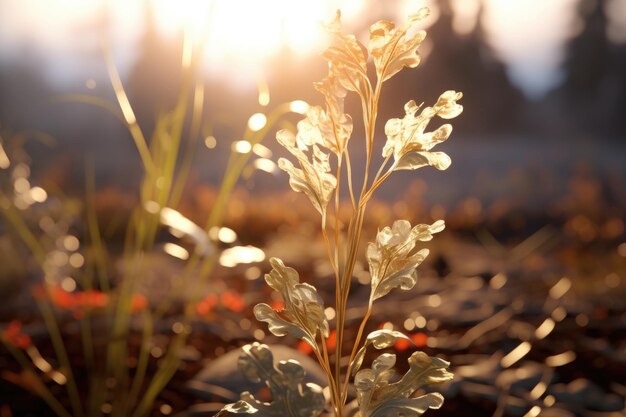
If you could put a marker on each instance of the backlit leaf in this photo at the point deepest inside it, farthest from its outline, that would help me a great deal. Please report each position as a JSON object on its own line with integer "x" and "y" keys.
{"x": 379, "y": 339}
{"x": 240, "y": 407}
{"x": 330, "y": 128}
{"x": 378, "y": 397}
{"x": 408, "y": 141}
{"x": 408, "y": 407}
{"x": 291, "y": 397}
{"x": 312, "y": 178}
{"x": 414, "y": 160}
{"x": 424, "y": 370}
{"x": 281, "y": 278}
{"x": 303, "y": 316}
{"x": 278, "y": 326}
{"x": 394, "y": 48}
{"x": 447, "y": 105}
{"x": 347, "y": 58}
{"x": 391, "y": 258}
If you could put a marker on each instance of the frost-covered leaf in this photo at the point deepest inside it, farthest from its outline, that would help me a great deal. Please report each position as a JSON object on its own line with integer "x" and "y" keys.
{"x": 347, "y": 58}
{"x": 391, "y": 258}
{"x": 291, "y": 397}
{"x": 394, "y": 48}
{"x": 408, "y": 141}
{"x": 303, "y": 316}
{"x": 313, "y": 178}
{"x": 378, "y": 397}
{"x": 379, "y": 339}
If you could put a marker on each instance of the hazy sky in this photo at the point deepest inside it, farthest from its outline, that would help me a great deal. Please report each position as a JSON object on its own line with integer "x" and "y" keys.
{"x": 527, "y": 34}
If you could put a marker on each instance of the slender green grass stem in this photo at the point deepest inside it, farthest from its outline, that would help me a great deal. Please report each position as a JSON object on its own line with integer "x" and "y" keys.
{"x": 142, "y": 362}
{"x": 100, "y": 256}
{"x": 61, "y": 353}
{"x": 41, "y": 388}
{"x": 129, "y": 115}
{"x": 93, "y": 101}
{"x": 87, "y": 340}
{"x": 163, "y": 375}
{"x": 194, "y": 134}
{"x": 22, "y": 230}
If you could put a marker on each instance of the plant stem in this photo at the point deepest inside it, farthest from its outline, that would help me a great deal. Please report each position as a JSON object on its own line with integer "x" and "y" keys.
{"x": 142, "y": 361}
{"x": 357, "y": 342}
{"x": 349, "y": 175}
{"x": 22, "y": 230}
{"x": 129, "y": 115}
{"x": 61, "y": 352}
{"x": 41, "y": 388}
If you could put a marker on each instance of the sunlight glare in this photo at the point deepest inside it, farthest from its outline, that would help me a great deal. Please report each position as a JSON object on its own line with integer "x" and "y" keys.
{"x": 299, "y": 106}
{"x": 242, "y": 146}
{"x": 561, "y": 359}
{"x": 262, "y": 151}
{"x": 176, "y": 251}
{"x": 266, "y": 165}
{"x": 264, "y": 93}
{"x": 241, "y": 35}
{"x": 515, "y": 355}
{"x": 465, "y": 15}
{"x": 38, "y": 194}
{"x": 257, "y": 122}
{"x": 241, "y": 255}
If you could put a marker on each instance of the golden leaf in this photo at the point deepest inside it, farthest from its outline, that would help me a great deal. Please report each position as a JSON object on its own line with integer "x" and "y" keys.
{"x": 391, "y": 259}
{"x": 447, "y": 106}
{"x": 347, "y": 58}
{"x": 379, "y": 397}
{"x": 330, "y": 128}
{"x": 291, "y": 395}
{"x": 379, "y": 339}
{"x": 312, "y": 178}
{"x": 303, "y": 315}
{"x": 408, "y": 141}
{"x": 394, "y": 48}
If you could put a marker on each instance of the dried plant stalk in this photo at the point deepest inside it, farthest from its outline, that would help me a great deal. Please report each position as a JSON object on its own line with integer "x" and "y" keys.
{"x": 320, "y": 150}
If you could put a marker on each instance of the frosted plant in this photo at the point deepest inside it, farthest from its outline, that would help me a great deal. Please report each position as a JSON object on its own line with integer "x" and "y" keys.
{"x": 320, "y": 156}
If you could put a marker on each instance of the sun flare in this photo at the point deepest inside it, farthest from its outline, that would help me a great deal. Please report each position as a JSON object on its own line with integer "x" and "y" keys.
{"x": 243, "y": 34}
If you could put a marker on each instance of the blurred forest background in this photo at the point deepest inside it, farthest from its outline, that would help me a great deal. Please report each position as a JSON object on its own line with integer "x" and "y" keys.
{"x": 534, "y": 201}
{"x": 554, "y": 114}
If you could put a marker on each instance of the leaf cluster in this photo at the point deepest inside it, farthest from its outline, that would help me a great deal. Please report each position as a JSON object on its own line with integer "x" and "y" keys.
{"x": 321, "y": 155}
